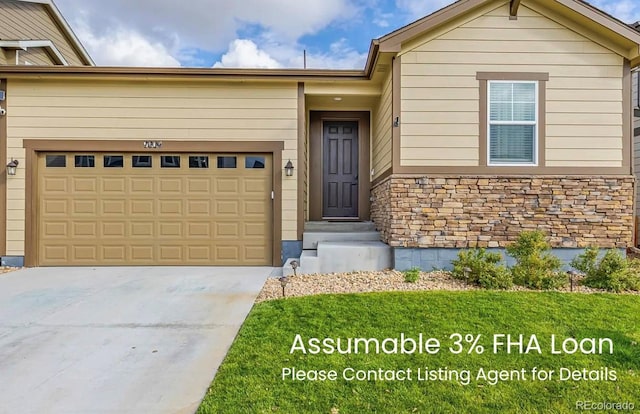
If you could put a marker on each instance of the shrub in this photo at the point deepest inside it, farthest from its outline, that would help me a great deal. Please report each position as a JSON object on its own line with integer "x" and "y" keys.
{"x": 613, "y": 272}
{"x": 535, "y": 266}
{"x": 412, "y": 275}
{"x": 483, "y": 269}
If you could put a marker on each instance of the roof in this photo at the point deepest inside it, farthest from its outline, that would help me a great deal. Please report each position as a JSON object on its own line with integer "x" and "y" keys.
{"x": 53, "y": 10}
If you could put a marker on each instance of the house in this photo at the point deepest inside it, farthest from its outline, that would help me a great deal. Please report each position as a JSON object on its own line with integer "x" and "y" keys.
{"x": 481, "y": 120}
{"x": 33, "y": 32}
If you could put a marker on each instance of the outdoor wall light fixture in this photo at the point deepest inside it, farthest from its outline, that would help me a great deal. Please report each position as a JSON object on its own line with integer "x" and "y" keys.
{"x": 12, "y": 167}
{"x": 289, "y": 168}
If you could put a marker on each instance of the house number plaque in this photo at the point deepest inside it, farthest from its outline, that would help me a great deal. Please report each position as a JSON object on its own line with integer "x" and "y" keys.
{"x": 152, "y": 144}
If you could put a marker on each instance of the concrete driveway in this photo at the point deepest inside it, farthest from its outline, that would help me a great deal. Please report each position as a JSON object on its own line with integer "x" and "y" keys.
{"x": 118, "y": 340}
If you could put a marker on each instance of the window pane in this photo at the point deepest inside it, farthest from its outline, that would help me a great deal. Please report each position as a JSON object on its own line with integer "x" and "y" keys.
{"x": 501, "y": 91}
{"x": 56, "y": 161}
{"x": 524, "y": 111}
{"x": 113, "y": 161}
{"x": 524, "y": 92}
{"x": 199, "y": 161}
{"x": 86, "y": 161}
{"x": 254, "y": 162}
{"x": 512, "y": 143}
{"x": 501, "y": 111}
{"x": 170, "y": 161}
{"x": 141, "y": 161}
{"x": 227, "y": 162}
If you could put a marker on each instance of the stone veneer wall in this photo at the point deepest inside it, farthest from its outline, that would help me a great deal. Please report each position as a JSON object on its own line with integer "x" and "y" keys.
{"x": 490, "y": 211}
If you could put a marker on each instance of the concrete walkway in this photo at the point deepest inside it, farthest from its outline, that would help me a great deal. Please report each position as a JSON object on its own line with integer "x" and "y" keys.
{"x": 118, "y": 340}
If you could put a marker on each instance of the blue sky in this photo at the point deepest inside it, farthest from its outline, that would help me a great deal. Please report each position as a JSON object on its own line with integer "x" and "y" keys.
{"x": 250, "y": 33}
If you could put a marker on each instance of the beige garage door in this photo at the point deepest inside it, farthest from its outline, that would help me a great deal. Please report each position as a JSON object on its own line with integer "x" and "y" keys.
{"x": 160, "y": 209}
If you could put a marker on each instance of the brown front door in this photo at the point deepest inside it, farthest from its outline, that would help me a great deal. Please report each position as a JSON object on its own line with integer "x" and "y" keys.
{"x": 340, "y": 166}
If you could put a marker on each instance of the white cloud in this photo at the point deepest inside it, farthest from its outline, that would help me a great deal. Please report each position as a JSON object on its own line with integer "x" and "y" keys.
{"x": 418, "y": 9}
{"x": 208, "y": 24}
{"x": 124, "y": 47}
{"x": 244, "y": 53}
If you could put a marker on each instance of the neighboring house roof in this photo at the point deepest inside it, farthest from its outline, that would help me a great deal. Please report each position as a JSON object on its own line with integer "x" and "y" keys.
{"x": 55, "y": 14}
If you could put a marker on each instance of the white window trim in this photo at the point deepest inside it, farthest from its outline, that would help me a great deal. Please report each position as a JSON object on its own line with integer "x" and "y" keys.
{"x": 536, "y": 123}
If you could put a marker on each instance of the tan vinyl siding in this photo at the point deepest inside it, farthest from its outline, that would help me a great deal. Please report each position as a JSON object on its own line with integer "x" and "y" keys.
{"x": 35, "y": 56}
{"x": 118, "y": 110}
{"x": 440, "y": 93}
{"x": 31, "y": 21}
{"x": 3, "y": 57}
{"x": 382, "y": 130}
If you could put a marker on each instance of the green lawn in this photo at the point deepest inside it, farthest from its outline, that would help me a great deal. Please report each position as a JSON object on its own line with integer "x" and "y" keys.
{"x": 250, "y": 379}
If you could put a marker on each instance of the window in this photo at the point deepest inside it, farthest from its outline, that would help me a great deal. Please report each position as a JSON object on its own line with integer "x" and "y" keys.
{"x": 85, "y": 161}
{"x": 56, "y": 161}
{"x": 254, "y": 162}
{"x": 227, "y": 162}
{"x": 113, "y": 161}
{"x": 170, "y": 161}
{"x": 141, "y": 161}
{"x": 199, "y": 161}
{"x": 512, "y": 122}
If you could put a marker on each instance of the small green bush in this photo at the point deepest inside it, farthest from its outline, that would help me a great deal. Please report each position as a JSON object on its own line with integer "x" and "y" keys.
{"x": 613, "y": 272}
{"x": 535, "y": 266}
{"x": 484, "y": 269}
{"x": 412, "y": 275}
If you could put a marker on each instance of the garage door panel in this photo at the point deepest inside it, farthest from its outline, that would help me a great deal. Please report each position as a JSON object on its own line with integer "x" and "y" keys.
{"x": 204, "y": 215}
{"x": 171, "y": 185}
{"x": 168, "y": 208}
{"x": 84, "y": 207}
{"x": 141, "y": 253}
{"x": 113, "y": 207}
{"x": 113, "y": 253}
{"x": 113, "y": 186}
{"x": 54, "y": 207}
{"x": 170, "y": 230}
{"x": 142, "y": 229}
{"x": 52, "y": 185}
{"x": 113, "y": 229}
{"x": 199, "y": 207}
{"x": 55, "y": 229}
{"x": 85, "y": 185}
{"x": 142, "y": 207}
{"x": 227, "y": 208}
{"x": 198, "y": 229}
{"x": 141, "y": 184}
{"x": 228, "y": 186}
{"x": 84, "y": 229}
{"x": 84, "y": 253}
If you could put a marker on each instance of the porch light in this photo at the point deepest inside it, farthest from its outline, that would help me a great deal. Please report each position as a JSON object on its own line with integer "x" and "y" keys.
{"x": 289, "y": 168}
{"x": 12, "y": 167}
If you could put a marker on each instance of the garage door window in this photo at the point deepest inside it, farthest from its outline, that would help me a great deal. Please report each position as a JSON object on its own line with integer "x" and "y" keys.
{"x": 170, "y": 161}
{"x": 113, "y": 161}
{"x": 254, "y": 162}
{"x": 198, "y": 161}
{"x": 141, "y": 161}
{"x": 85, "y": 161}
{"x": 56, "y": 161}
{"x": 227, "y": 162}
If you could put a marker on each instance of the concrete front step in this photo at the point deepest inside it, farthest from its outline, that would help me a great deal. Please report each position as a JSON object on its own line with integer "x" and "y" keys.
{"x": 311, "y": 239}
{"x": 308, "y": 264}
{"x": 339, "y": 226}
{"x": 344, "y": 256}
